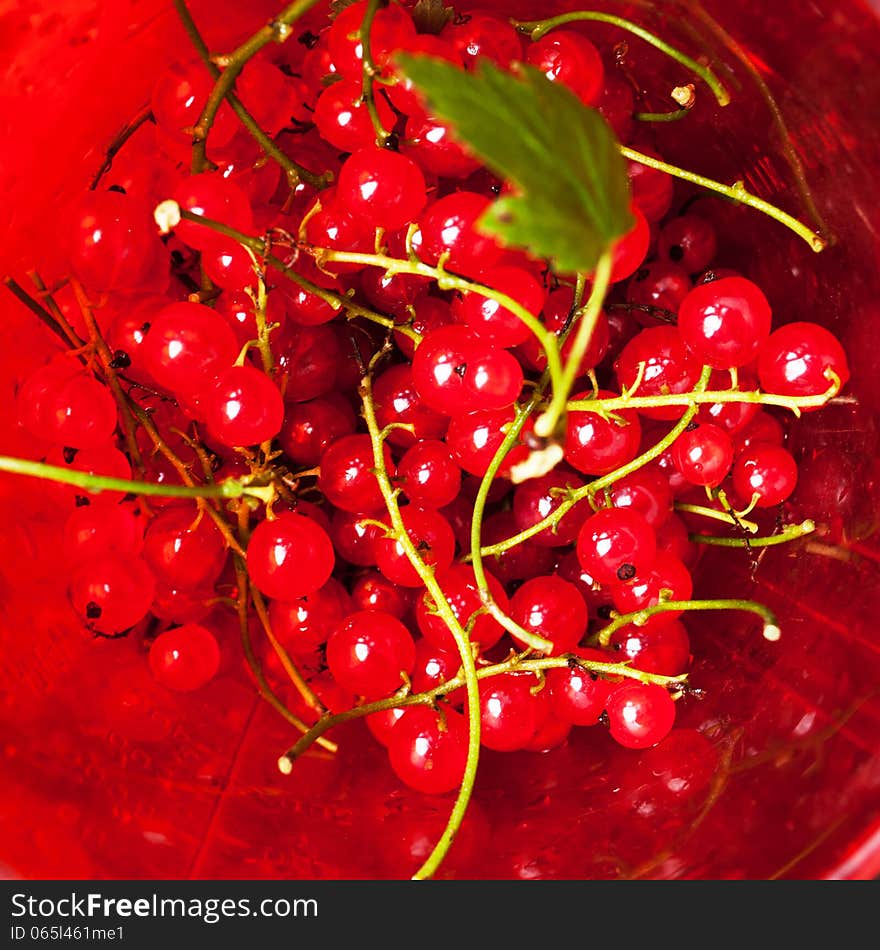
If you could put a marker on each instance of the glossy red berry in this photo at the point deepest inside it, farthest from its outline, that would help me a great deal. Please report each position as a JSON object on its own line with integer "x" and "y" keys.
{"x": 427, "y": 753}
{"x": 577, "y": 696}
{"x": 432, "y": 144}
{"x": 244, "y": 407}
{"x": 188, "y": 346}
{"x": 615, "y": 545}
{"x": 369, "y": 653}
{"x": 184, "y": 548}
{"x": 794, "y": 359}
{"x": 448, "y": 226}
{"x": 536, "y": 499}
{"x": 689, "y": 242}
{"x": 384, "y": 187}
{"x": 640, "y": 714}
{"x": 432, "y": 537}
{"x": 111, "y": 241}
{"x": 475, "y": 437}
{"x": 484, "y": 35}
{"x": 289, "y": 557}
{"x": 666, "y": 574}
{"x": 646, "y": 491}
{"x": 373, "y": 591}
{"x": 488, "y": 319}
{"x": 178, "y": 98}
{"x": 571, "y": 59}
{"x": 90, "y": 533}
{"x": 112, "y": 593}
{"x": 398, "y": 401}
{"x": 342, "y": 117}
{"x": 595, "y": 445}
{"x": 659, "y": 285}
{"x": 428, "y": 474}
{"x": 311, "y": 427}
{"x": 347, "y": 479}
{"x": 211, "y": 196}
{"x": 663, "y": 650}
{"x": 353, "y": 540}
{"x": 630, "y": 250}
{"x": 723, "y": 323}
{"x": 551, "y": 608}
{"x": 764, "y": 470}
{"x": 668, "y": 368}
{"x": 185, "y": 658}
{"x": 304, "y": 623}
{"x": 392, "y": 28}
{"x": 460, "y": 589}
{"x": 510, "y": 713}
{"x": 703, "y": 455}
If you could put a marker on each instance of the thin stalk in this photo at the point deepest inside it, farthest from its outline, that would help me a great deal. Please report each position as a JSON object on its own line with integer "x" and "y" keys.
{"x": 736, "y": 192}
{"x": 369, "y": 72}
{"x": 788, "y": 533}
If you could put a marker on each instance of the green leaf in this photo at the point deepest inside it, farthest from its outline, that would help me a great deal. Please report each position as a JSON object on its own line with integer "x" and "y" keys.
{"x": 572, "y": 195}
{"x": 430, "y": 16}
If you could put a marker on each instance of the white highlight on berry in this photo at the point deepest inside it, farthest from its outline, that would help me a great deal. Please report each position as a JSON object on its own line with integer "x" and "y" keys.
{"x": 167, "y": 216}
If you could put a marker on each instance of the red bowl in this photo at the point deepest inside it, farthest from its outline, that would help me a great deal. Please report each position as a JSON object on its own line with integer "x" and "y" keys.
{"x": 774, "y": 770}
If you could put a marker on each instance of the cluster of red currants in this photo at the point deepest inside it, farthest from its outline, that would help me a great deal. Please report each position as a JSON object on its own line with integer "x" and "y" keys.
{"x": 228, "y": 369}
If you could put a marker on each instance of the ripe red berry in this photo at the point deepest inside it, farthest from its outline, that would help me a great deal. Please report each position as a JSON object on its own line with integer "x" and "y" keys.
{"x": 303, "y": 623}
{"x": 188, "y": 346}
{"x": 794, "y": 359}
{"x": 289, "y": 557}
{"x": 510, "y": 713}
{"x": 432, "y": 536}
{"x": 595, "y": 445}
{"x": 369, "y": 653}
{"x": 576, "y": 695}
{"x": 427, "y": 753}
{"x": 723, "y": 323}
{"x": 184, "y": 548}
{"x": 688, "y": 241}
{"x": 112, "y": 592}
{"x": 663, "y": 650}
{"x": 668, "y": 368}
{"x": 460, "y": 589}
{"x": 537, "y": 499}
{"x": 343, "y": 119}
{"x": 398, "y": 402}
{"x": 185, "y": 658}
{"x": 488, "y": 319}
{"x": 392, "y": 28}
{"x": 90, "y": 532}
{"x": 615, "y": 545}
{"x": 448, "y": 226}
{"x": 386, "y": 188}
{"x": 639, "y": 714}
{"x": 347, "y": 480}
{"x": 474, "y": 438}
{"x": 428, "y": 474}
{"x": 244, "y": 407}
{"x": 666, "y": 574}
{"x": 552, "y": 608}
{"x": 211, "y": 196}
{"x": 703, "y": 455}
{"x": 567, "y": 57}
{"x": 766, "y": 470}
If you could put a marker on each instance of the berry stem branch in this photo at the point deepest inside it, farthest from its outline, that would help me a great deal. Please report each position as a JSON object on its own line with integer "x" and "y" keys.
{"x": 788, "y": 533}
{"x": 538, "y": 28}
{"x": 736, "y": 192}
{"x": 119, "y": 140}
{"x": 512, "y": 627}
{"x": 277, "y": 30}
{"x": 369, "y": 72}
{"x": 341, "y": 301}
{"x": 586, "y": 317}
{"x": 717, "y": 515}
{"x": 640, "y": 617}
{"x": 469, "y": 672}
{"x": 430, "y": 697}
{"x": 447, "y": 281}
{"x": 42, "y": 314}
{"x": 263, "y": 687}
{"x": 793, "y": 403}
{"x": 98, "y": 483}
{"x": 592, "y": 488}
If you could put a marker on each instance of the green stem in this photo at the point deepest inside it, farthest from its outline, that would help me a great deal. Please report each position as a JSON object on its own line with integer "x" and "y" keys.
{"x": 430, "y": 697}
{"x": 545, "y": 424}
{"x": 794, "y": 403}
{"x": 98, "y": 483}
{"x": 342, "y": 302}
{"x": 672, "y": 116}
{"x": 369, "y": 72}
{"x": 538, "y": 28}
{"x": 640, "y": 617}
{"x": 737, "y": 192}
{"x": 447, "y": 281}
{"x": 591, "y": 489}
{"x": 788, "y": 533}
{"x": 716, "y": 515}
{"x": 294, "y": 172}
{"x": 434, "y": 859}
{"x": 512, "y": 627}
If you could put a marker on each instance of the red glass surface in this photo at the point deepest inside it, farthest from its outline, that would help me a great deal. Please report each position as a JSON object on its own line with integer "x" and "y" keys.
{"x": 774, "y": 772}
